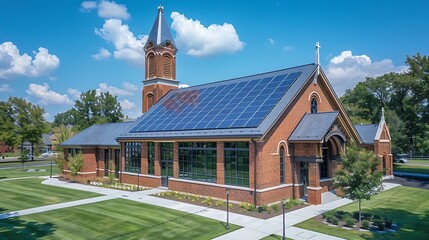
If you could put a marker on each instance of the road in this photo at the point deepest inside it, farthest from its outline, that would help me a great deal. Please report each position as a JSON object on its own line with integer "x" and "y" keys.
{"x": 38, "y": 163}
{"x": 410, "y": 182}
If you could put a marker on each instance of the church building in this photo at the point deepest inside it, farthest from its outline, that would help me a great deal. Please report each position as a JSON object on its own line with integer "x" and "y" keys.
{"x": 264, "y": 137}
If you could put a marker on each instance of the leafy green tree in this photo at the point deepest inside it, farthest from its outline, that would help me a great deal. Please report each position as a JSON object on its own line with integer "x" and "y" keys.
{"x": 66, "y": 118}
{"x": 423, "y": 141}
{"x": 22, "y": 121}
{"x": 75, "y": 164}
{"x": 358, "y": 177}
{"x": 93, "y": 108}
{"x": 62, "y": 133}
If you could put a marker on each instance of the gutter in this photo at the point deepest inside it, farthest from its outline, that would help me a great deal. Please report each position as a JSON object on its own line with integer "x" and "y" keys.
{"x": 254, "y": 172}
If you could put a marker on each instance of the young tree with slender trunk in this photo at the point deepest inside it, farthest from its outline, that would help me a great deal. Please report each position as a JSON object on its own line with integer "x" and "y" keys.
{"x": 358, "y": 177}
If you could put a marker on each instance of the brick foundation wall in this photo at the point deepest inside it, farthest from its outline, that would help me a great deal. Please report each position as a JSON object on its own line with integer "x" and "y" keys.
{"x": 143, "y": 180}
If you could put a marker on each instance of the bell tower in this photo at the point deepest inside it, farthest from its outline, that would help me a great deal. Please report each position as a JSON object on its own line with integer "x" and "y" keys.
{"x": 160, "y": 66}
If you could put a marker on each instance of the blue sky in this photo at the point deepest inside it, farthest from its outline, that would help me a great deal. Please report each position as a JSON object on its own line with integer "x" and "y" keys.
{"x": 52, "y": 50}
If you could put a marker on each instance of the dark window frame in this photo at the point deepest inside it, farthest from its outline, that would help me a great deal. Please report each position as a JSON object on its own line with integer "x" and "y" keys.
{"x": 198, "y": 161}
{"x": 314, "y": 105}
{"x": 133, "y": 157}
{"x": 282, "y": 165}
{"x": 151, "y": 158}
{"x": 236, "y": 163}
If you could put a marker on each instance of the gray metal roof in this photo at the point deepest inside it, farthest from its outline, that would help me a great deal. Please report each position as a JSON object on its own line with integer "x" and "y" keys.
{"x": 46, "y": 139}
{"x": 314, "y": 126}
{"x": 160, "y": 32}
{"x": 367, "y": 132}
{"x": 98, "y": 135}
{"x": 254, "y": 132}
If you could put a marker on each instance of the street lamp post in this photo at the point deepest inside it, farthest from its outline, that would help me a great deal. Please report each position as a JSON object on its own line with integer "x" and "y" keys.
{"x": 50, "y": 174}
{"x": 284, "y": 226}
{"x": 138, "y": 181}
{"x": 227, "y": 209}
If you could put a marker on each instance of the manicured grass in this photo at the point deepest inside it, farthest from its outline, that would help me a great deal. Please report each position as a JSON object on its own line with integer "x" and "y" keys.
{"x": 115, "y": 219}
{"x": 408, "y": 207}
{"x": 19, "y": 194}
{"x": 418, "y": 161}
{"x": 23, "y": 172}
{"x": 411, "y": 168}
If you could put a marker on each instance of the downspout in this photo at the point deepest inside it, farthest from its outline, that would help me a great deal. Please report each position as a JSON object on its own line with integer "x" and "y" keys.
{"x": 254, "y": 172}
{"x": 293, "y": 169}
{"x": 97, "y": 155}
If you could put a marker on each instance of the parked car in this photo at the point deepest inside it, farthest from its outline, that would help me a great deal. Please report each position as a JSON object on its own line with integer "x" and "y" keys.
{"x": 401, "y": 158}
{"x": 50, "y": 154}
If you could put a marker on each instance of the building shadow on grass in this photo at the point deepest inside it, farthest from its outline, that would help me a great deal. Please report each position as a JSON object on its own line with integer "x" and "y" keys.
{"x": 409, "y": 225}
{"x": 16, "y": 228}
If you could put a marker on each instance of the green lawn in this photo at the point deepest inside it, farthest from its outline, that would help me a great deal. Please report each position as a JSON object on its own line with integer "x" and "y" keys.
{"x": 113, "y": 219}
{"x": 408, "y": 207}
{"x": 411, "y": 168}
{"x": 21, "y": 194}
{"x": 418, "y": 161}
{"x": 23, "y": 172}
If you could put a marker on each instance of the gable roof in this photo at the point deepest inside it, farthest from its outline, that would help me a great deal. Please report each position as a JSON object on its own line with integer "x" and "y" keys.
{"x": 160, "y": 32}
{"x": 46, "y": 139}
{"x": 314, "y": 126}
{"x": 218, "y": 110}
{"x": 367, "y": 132}
{"x": 98, "y": 135}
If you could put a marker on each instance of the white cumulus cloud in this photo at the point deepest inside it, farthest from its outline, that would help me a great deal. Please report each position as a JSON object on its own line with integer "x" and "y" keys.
{"x": 47, "y": 96}
{"x": 87, "y": 6}
{"x": 12, "y": 63}
{"x": 5, "y": 88}
{"x": 346, "y": 70}
{"x": 127, "y": 90}
{"x": 74, "y": 93}
{"x": 198, "y": 40}
{"x": 127, "y": 46}
{"x": 102, "y": 54}
{"x": 106, "y": 9}
{"x": 127, "y": 105}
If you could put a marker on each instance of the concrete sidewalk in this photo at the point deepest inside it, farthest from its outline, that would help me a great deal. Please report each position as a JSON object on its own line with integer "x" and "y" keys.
{"x": 252, "y": 228}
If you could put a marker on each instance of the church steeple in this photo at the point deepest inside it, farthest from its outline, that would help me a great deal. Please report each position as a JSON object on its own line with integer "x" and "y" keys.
{"x": 160, "y": 63}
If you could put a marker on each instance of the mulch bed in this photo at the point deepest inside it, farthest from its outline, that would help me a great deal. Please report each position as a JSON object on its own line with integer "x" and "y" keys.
{"x": 357, "y": 226}
{"x": 236, "y": 209}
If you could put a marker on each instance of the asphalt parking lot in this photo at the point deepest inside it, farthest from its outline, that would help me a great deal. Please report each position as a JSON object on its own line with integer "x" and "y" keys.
{"x": 410, "y": 182}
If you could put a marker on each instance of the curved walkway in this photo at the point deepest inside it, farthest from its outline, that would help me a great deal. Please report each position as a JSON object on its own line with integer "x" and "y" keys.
{"x": 253, "y": 228}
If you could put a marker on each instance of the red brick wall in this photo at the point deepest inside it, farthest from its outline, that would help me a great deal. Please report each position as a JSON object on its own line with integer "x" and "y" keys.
{"x": 142, "y": 181}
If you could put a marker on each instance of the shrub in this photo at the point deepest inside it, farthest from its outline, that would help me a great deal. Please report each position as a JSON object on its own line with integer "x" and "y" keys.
{"x": 264, "y": 207}
{"x": 275, "y": 207}
{"x": 294, "y": 202}
{"x": 379, "y": 223}
{"x": 197, "y": 197}
{"x": 350, "y": 221}
{"x": 207, "y": 201}
{"x": 230, "y": 205}
{"x": 219, "y": 202}
{"x": 326, "y": 214}
{"x": 252, "y": 208}
{"x": 334, "y": 220}
{"x": 388, "y": 223}
{"x": 365, "y": 224}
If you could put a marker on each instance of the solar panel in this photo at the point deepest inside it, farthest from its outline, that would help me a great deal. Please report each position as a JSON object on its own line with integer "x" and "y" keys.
{"x": 230, "y": 104}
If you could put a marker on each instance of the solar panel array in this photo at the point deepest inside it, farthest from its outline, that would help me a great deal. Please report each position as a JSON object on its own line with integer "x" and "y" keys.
{"x": 233, "y": 104}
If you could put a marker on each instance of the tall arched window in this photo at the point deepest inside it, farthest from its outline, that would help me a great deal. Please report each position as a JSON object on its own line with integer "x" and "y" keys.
{"x": 151, "y": 66}
{"x": 149, "y": 100}
{"x": 167, "y": 65}
{"x": 313, "y": 105}
{"x": 282, "y": 164}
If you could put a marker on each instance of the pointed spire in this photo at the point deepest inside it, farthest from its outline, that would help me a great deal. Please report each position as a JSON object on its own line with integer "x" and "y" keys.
{"x": 160, "y": 32}
{"x": 382, "y": 115}
{"x": 317, "y": 62}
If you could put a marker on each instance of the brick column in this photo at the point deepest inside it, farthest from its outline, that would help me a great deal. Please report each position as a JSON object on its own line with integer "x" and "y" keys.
{"x": 144, "y": 163}
{"x": 176, "y": 160}
{"x": 314, "y": 190}
{"x": 157, "y": 159}
{"x": 251, "y": 165}
{"x": 296, "y": 188}
{"x": 122, "y": 157}
{"x": 220, "y": 167}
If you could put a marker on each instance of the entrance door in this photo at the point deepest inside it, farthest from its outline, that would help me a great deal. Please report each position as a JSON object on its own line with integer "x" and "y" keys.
{"x": 303, "y": 175}
{"x": 166, "y": 154}
{"x": 166, "y": 172}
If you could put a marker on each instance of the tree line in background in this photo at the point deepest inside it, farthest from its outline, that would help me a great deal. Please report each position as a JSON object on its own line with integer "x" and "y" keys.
{"x": 404, "y": 96}
{"x": 23, "y": 121}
